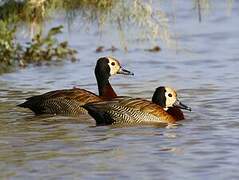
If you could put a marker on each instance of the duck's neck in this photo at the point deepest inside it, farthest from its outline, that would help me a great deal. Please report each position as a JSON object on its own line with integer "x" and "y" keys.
{"x": 176, "y": 113}
{"x": 104, "y": 87}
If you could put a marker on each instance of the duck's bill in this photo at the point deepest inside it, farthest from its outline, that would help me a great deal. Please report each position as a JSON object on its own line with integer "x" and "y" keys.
{"x": 181, "y": 105}
{"x": 125, "y": 72}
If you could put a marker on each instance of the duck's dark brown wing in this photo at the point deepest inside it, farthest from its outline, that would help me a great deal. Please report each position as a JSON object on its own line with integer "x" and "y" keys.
{"x": 64, "y": 102}
{"x": 128, "y": 111}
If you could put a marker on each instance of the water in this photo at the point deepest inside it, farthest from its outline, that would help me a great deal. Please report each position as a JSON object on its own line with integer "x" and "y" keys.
{"x": 205, "y": 75}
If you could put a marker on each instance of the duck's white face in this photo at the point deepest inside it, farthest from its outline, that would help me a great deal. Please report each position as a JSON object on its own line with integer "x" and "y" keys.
{"x": 114, "y": 66}
{"x": 172, "y": 100}
{"x": 171, "y": 97}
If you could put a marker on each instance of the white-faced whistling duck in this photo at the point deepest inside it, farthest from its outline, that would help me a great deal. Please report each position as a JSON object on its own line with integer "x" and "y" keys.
{"x": 133, "y": 111}
{"x": 69, "y": 101}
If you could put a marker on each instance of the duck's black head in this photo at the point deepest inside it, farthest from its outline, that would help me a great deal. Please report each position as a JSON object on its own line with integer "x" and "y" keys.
{"x": 166, "y": 97}
{"x": 107, "y": 66}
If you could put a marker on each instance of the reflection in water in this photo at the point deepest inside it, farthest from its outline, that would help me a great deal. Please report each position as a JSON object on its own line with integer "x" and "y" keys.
{"x": 204, "y": 146}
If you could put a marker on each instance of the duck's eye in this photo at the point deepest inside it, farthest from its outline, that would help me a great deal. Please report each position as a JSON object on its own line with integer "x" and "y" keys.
{"x": 113, "y": 63}
{"x": 170, "y": 95}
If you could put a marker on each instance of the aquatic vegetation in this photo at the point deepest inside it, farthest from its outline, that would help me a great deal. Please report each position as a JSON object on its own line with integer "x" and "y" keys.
{"x": 138, "y": 19}
{"x": 47, "y": 48}
{"x": 39, "y": 49}
{"x": 9, "y": 49}
{"x": 150, "y": 21}
{"x": 123, "y": 15}
{"x": 154, "y": 49}
{"x": 203, "y": 7}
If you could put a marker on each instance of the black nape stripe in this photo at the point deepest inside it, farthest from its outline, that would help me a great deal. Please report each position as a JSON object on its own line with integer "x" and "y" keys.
{"x": 102, "y": 73}
{"x": 159, "y": 96}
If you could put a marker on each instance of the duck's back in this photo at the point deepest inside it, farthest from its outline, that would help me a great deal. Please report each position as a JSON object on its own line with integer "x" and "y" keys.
{"x": 128, "y": 111}
{"x": 64, "y": 102}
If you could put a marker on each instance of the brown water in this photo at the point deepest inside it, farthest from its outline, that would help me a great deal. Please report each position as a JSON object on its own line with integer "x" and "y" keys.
{"x": 206, "y": 77}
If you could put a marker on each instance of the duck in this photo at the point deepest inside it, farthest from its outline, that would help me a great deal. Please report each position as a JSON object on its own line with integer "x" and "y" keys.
{"x": 69, "y": 102}
{"x": 137, "y": 111}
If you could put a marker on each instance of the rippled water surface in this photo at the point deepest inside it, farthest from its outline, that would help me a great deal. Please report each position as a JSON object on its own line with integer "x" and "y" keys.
{"x": 205, "y": 74}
